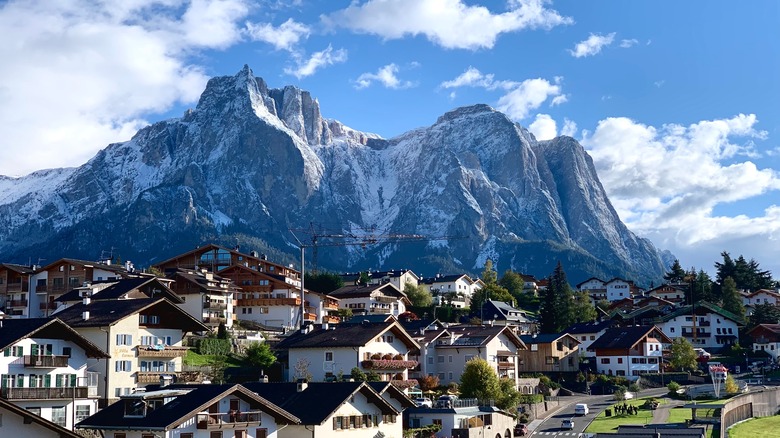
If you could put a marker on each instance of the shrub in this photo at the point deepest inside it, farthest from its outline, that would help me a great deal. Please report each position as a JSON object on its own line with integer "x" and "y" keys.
{"x": 398, "y": 357}
{"x": 673, "y": 387}
{"x": 376, "y": 356}
{"x": 214, "y": 346}
{"x": 387, "y": 356}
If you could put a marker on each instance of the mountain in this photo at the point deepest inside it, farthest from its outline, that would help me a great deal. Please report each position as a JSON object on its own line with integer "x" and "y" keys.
{"x": 250, "y": 163}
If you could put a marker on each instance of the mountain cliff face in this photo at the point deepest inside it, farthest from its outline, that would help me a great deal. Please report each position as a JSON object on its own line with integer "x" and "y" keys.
{"x": 249, "y": 163}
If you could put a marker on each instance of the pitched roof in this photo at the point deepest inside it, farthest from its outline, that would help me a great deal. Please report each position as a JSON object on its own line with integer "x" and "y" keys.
{"x": 61, "y": 432}
{"x": 188, "y": 401}
{"x": 346, "y": 335}
{"x": 393, "y": 391}
{"x": 445, "y": 278}
{"x": 479, "y": 335}
{"x": 14, "y": 330}
{"x": 774, "y": 328}
{"x": 545, "y": 338}
{"x": 504, "y": 311}
{"x": 589, "y": 327}
{"x": 114, "y": 289}
{"x": 21, "y": 269}
{"x": 199, "y": 278}
{"x": 119, "y": 269}
{"x": 619, "y": 338}
{"x": 686, "y": 310}
{"x": 213, "y": 246}
{"x": 109, "y": 312}
{"x": 319, "y": 400}
{"x": 361, "y": 291}
{"x": 591, "y": 278}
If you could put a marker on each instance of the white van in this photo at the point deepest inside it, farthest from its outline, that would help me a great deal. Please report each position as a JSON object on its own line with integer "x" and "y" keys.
{"x": 581, "y": 409}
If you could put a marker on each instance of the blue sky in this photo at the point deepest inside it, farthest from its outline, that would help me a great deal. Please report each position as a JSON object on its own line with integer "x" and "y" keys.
{"x": 675, "y": 101}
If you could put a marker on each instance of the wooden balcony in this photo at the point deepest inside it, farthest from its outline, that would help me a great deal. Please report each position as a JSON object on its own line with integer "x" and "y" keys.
{"x": 80, "y": 392}
{"x": 267, "y": 302}
{"x": 17, "y": 303}
{"x": 229, "y": 420}
{"x": 214, "y": 320}
{"x": 330, "y": 305}
{"x": 506, "y": 365}
{"x": 17, "y": 286}
{"x": 689, "y": 334}
{"x": 331, "y": 319}
{"x": 165, "y": 352}
{"x": 41, "y": 288}
{"x": 214, "y": 305}
{"x": 43, "y": 361}
{"x": 179, "y": 376}
{"x": 309, "y": 317}
{"x": 388, "y": 364}
{"x": 47, "y": 306}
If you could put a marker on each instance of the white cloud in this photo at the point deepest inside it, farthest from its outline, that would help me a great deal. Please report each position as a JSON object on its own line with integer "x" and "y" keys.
{"x": 449, "y": 23}
{"x": 569, "y": 128}
{"x": 592, "y": 45}
{"x": 660, "y": 83}
{"x": 527, "y": 96}
{"x": 628, "y": 43}
{"x": 90, "y": 70}
{"x": 521, "y": 98}
{"x": 317, "y": 60}
{"x": 666, "y": 182}
{"x": 284, "y": 37}
{"x": 385, "y": 76}
{"x": 543, "y": 127}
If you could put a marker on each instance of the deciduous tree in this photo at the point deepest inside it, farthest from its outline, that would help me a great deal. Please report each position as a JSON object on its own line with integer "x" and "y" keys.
{"x": 681, "y": 355}
{"x": 259, "y": 355}
{"x": 479, "y": 381}
{"x": 418, "y": 295}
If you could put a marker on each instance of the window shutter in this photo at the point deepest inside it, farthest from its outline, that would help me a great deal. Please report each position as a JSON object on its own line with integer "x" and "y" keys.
{"x": 47, "y": 381}
{"x": 58, "y": 381}
{"x": 73, "y": 380}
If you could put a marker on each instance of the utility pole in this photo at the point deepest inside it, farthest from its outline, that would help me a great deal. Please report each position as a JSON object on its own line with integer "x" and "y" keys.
{"x": 362, "y": 238}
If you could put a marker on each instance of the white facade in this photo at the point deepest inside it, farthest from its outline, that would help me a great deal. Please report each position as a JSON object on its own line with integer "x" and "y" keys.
{"x": 479, "y": 423}
{"x": 713, "y": 331}
{"x": 762, "y": 296}
{"x": 50, "y": 378}
{"x": 17, "y": 424}
{"x": 376, "y": 303}
{"x": 770, "y": 348}
{"x": 324, "y": 363}
{"x": 460, "y": 285}
{"x": 631, "y": 366}
{"x": 586, "y": 339}
{"x": 618, "y": 289}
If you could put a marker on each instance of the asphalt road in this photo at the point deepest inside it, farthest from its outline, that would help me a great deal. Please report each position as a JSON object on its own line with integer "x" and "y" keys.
{"x": 551, "y": 427}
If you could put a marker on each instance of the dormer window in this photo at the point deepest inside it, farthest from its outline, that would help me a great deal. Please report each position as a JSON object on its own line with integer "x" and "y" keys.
{"x": 135, "y": 408}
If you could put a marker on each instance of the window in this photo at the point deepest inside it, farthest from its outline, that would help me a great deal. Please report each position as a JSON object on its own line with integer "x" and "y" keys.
{"x": 671, "y": 329}
{"x": 147, "y": 435}
{"x": 620, "y": 360}
{"x": 620, "y": 373}
{"x": 123, "y": 365}
{"x": 440, "y": 359}
{"x": 436, "y": 422}
{"x": 592, "y": 337}
{"x": 215, "y": 434}
{"x": 66, "y": 351}
{"x": 82, "y": 412}
{"x": 36, "y": 411}
{"x": 389, "y": 339}
{"x": 441, "y": 376}
{"x": 58, "y": 416}
{"x": 328, "y": 356}
{"x": 450, "y": 376}
{"x": 449, "y": 358}
{"x": 549, "y": 360}
{"x": 430, "y": 360}
{"x": 124, "y": 339}
{"x": 534, "y": 347}
{"x": 605, "y": 361}
{"x": 73, "y": 282}
{"x": 119, "y": 435}
{"x": 187, "y": 435}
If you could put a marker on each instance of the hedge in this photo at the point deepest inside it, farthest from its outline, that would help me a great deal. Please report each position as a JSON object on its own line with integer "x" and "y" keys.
{"x": 214, "y": 346}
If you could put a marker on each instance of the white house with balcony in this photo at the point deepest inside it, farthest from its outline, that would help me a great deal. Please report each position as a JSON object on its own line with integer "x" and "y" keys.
{"x": 618, "y": 289}
{"x": 766, "y": 338}
{"x": 457, "y": 288}
{"x": 43, "y": 369}
{"x": 498, "y": 345}
{"x": 191, "y": 411}
{"x": 143, "y": 337}
{"x": 587, "y": 333}
{"x": 761, "y": 296}
{"x": 629, "y": 351}
{"x": 325, "y": 352}
{"x": 704, "y": 325}
{"x": 372, "y": 299}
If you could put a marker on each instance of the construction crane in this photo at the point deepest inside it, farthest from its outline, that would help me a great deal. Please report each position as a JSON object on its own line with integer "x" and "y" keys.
{"x": 363, "y": 238}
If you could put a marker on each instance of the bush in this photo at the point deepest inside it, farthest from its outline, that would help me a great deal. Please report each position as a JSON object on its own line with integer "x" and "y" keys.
{"x": 673, "y": 387}
{"x": 376, "y": 356}
{"x": 387, "y": 356}
{"x": 398, "y": 357}
{"x": 214, "y": 346}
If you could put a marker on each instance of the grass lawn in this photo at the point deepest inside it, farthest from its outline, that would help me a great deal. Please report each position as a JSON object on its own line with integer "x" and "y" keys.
{"x": 765, "y": 427}
{"x": 194, "y": 359}
{"x": 602, "y": 423}
{"x": 679, "y": 415}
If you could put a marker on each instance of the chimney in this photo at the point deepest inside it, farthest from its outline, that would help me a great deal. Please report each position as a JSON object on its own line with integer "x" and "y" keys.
{"x": 85, "y": 315}
{"x": 325, "y": 326}
{"x": 263, "y": 379}
{"x": 302, "y": 384}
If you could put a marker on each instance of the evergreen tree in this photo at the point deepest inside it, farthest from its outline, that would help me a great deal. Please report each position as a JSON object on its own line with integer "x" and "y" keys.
{"x": 676, "y": 273}
{"x": 582, "y": 308}
{"x": 323, "y": 282}
{"x": 489, "y": 276}
{"x": 556, "y": 312}
{"x": 747, "y": 275}
{"x": 702, "y": 288}
{"x": 731, "y": 299}
{"x": 764, "y": 314}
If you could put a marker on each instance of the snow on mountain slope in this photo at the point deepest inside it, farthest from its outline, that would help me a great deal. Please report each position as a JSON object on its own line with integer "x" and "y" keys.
{"x": 251, "y": 162}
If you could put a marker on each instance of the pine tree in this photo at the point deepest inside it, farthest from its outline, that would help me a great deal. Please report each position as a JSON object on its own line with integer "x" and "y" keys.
{"x": 676, "y": 273}
{"x": 731, "y": 299}
{"x": 489, "y": 276}
{"x": 557, "y": 304}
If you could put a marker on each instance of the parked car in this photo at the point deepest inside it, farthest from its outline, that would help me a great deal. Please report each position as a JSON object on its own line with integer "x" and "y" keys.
{"x": 567, "y": 425}
{"x": 521, "y": 429}
{"x": 423, "y": 401}
{"x": 446, "y": 401}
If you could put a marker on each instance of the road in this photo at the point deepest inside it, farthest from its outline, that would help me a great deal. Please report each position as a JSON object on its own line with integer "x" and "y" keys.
{"x": 551, "y": 427}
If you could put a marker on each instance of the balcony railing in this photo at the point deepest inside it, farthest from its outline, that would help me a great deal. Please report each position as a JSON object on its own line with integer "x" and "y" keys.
{"x": 388, "y": 364}
{"x": 17, "y": 303}
{"x": 228, "y": 420}
{"x": 214, "y": 320}
{"x": 215, "y": 305}
{"x": 160, "y": 351}
{"x": 49, "y": 306}
{"x": 331, "y": 319}
{"x": 42, "y": 361}
{"x": 47, "y": 393}
{"x": 265, "y": 302}
{"x": 17, "y": 286}
{"x": 505, "y": 365}
{"x": 331, "y": 305}
{"x": 309, "y": 317}
{"x": 41, "y": 288}
{"x": 689, "y": 334}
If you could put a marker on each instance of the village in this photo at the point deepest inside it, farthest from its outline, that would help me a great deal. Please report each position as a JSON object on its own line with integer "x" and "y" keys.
{"x": 100, "y": 349}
